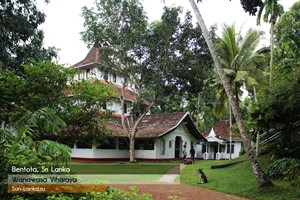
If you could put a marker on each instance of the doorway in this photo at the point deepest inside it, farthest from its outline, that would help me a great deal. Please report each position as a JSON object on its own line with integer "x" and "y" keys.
{"x": 178, "y": 147}
{"x": 215, "y": 150}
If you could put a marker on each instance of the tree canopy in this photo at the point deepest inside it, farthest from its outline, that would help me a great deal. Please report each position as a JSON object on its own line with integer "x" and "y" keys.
{"x": 155, "y": 59}
{"x": 20, "y": 37}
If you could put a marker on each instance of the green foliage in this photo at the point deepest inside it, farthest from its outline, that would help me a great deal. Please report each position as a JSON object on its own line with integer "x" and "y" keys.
{"x": 172, "y": 197}
{"x": 251, "y": 6}
{"x": 154, "y": 57}
{"x": 241, "y": 64}
{"x": 58, "y": 197}
{"x": 28, "y": 133}
{"x": 287, "y": 37}
{"x": 24, "y": 146}
{"x": 16, "y": 155}
{"x": 278, "y": 106}
{"x": 41, "y": 85}
{"x": 292, "y": 175}
{"x": 278, "y": 168}
{"x": 115, "y": 193}
{"x": 20, "y": 37}
{"x": 88, "y": 94}
{"x": 85, "y": 127}
{"x": 83, "y": 115}
{"x": 110, "y": 194}
{"x": 272, "y": 10}
{"x": 283, "y": 148}
{"x": 44, "y": 121}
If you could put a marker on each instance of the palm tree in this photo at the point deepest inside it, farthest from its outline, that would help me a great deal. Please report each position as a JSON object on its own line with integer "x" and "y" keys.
{"x": 261, "y": 178}
{"x": 273, "y": 10}
{"x": 237, "y": 55}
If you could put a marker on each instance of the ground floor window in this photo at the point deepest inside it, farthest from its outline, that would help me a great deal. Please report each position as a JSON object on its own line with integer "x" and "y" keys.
{"x": 162, "y": 147}
{"x": 83, "y": 145}
{"x": 109, "y": 143}
{"x": 228, "y": 147}
{"x": 123, "y": 143}
{"x": 144, "y": 144}
{"x": 203, "y": 148}
{"x": 222, "y": 148}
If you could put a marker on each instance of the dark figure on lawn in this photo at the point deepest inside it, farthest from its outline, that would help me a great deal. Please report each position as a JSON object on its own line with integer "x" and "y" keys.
{"x": 192, "y": 152}
{"x": 202, "y": 177}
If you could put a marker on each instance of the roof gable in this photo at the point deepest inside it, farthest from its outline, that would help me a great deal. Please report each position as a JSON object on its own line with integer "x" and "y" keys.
{"x": 92, "y": 58}
{"x": 221, "y": 131}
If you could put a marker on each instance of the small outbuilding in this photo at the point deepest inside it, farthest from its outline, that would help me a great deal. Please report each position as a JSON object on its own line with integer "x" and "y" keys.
{"x": 218, "y": 145}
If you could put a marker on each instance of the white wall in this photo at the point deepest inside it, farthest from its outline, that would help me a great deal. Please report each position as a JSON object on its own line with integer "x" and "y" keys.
{"x": 111, "y": 153}
{"x": 147, "y": 154}
{"x": 182, "y": 132}
{"x": 150, "y": 154}
{"x": 82, "y": 153}
{"x": 95, "y": 73}
{"x": 99, "y": 153}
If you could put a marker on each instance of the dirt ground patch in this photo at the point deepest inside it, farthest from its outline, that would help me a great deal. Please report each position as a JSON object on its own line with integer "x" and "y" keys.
{"x": 182, "y": 191}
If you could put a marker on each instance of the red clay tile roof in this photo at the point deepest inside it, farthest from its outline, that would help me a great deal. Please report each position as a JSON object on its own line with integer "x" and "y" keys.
{"x": 221, "y": 130}
{"x": 92, "y": 58}
{"x": 156, "y": 126}
{"x": 128, "y": 94}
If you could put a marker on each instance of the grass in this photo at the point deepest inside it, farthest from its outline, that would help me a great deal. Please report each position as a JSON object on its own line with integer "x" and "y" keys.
{"x": 122, "y": 168}
{"x": 237, "y": 179}
{"x": 122, "y": 172}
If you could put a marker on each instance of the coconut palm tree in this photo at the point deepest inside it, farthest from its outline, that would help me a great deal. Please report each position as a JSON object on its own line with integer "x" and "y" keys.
{"x": 238, "y": 57}
{"x": 261, "y": 178}
{"x": 273, "y": 10}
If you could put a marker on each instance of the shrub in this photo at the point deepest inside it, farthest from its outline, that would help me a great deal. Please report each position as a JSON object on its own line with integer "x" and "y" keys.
{"x": 292, "y": 175}
{"x": 115, "y": 193}
{"x": 277, "y": 168}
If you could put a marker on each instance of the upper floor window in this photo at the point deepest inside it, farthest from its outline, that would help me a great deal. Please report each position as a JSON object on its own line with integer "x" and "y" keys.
{"x": 125, "y": 108}
{"x": 104, "y": 106}
{"x": 114, "y": 77}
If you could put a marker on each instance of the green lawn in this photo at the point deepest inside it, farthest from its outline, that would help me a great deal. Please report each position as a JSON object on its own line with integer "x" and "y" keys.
{"x": 122, "y": 172}
{"x": 237, "y": 179}
{"x": 122, "y": 168}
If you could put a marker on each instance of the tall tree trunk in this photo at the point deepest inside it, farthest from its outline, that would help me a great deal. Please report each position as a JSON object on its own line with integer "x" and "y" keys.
{"x": 230, "y": 132}
{"x": 260, "y": 176}
{"x": 134, "y": 130}
{"x": 131, "y": 149}
{"x": 272, "y": 51}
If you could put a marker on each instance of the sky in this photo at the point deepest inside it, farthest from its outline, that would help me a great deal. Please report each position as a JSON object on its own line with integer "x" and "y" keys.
{"x": 64, "y": 21}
